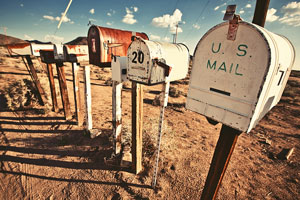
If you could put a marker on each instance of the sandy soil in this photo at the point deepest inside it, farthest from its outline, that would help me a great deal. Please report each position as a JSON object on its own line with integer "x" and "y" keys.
{"x": 45, "y": 157}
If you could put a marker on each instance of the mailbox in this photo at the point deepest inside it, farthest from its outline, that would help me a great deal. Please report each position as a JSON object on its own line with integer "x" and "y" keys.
{"x": 105, "y": 42}
{"x": 59, "y": 53}
{"x": 47, "y": 56}
{"x": 76, "y": 53}
{"x": 24, "y": 49}
{"x": 151, "y": 62}
{"x": 119, "y": 69}
{"x": 237, "y": 80}
{"x": 35, "y": 48}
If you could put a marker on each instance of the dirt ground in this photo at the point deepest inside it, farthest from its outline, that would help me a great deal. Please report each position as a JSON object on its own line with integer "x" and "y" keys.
{"x": 44, "y": 156}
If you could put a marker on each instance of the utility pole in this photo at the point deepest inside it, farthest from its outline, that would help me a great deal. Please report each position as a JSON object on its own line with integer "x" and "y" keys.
{"x": 175, "y": 35}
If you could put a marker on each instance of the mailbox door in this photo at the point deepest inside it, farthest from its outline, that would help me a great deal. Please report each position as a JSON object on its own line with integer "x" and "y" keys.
{"x": 104, "y": 42}
{"x": 47, "y": 56}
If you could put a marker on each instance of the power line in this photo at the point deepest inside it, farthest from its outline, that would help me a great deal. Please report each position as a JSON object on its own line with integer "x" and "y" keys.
{"x": 200, "y": 15}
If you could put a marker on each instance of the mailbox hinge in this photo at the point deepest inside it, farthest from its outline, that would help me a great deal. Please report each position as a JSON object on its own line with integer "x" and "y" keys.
{"x": 233, "y": 22}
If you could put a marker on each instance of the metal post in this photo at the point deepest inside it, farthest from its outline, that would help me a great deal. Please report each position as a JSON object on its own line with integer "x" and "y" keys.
{"x": 260, "y": 13}
{"x": 163, "y": 104}
{"x": 64, "y": 90}
{"x": 223, "y": 151}
{"x": 117, "y": 115}
{"x": 88, "y": 98}
{"x": 52, "y": 87}
{"x": 137, "y": 126}
{"x": 77, "y": 99}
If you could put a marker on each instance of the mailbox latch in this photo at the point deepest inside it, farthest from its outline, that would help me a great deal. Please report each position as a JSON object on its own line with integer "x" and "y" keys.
{"x": 233, "y": 22}
{"x": 161, "y": 63}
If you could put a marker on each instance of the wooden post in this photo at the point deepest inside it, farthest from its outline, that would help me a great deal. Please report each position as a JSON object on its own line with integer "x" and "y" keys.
{"x": 260, "y": 13}
{"x": 52, "y": 87}
{"x": 223, "y": 151}
{"x": 77, "y": 99}
{"x": 88, "y": 98}
{"x": 117, "y": 115}
{"x": 41, "y": 93}
{"x": 137, "y": 126}
{"x": 64, "y": 90}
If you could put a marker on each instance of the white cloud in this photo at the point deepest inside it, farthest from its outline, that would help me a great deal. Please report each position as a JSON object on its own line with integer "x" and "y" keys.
{"x": 248, "y": 5}
{"x": 217, "y": 7}
{"x": 92, "y": 20}
{"x": 170, "y": 21}
{"x": 291, "y": 9}
{"x": 154, "y": 37}
{"x": 223, "y": 11}
{"x": 111, "y": 12}
{"x": 54, "y": 38}
{"x": 48, "y": 17}
{"x": 242, "y": 12}
{"x": 92, "y": 11}
{"x": 166, "y": 39}
{"x": 135, "y": 9}
{"x": 196, "y": 26}
{"x": 129, "y": 17}
{"x": 291, "y": 14}
{"x": 51, "y": 18}
{"x": 109, "y": 23}
{"x": 27, "y": 37}
{"x": 22, "y": 5}
{"x": 271, "y": 17}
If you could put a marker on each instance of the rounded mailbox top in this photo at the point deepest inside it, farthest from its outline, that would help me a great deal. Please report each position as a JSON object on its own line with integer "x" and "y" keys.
{"x": 237, "y": 81}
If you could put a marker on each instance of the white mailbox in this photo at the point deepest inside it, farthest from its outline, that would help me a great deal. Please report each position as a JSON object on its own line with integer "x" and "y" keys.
{"x": 76, "y": 53}
{"x": 119, "y": 68}
{"x": 35, "y": 48}
{"x": 59, "y": 53}
{"x": 237, "y": 81}
{"x": 150, "y": 62}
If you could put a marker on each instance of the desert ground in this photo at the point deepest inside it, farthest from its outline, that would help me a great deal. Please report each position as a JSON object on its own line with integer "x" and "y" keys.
{"x": 43, "y": 156}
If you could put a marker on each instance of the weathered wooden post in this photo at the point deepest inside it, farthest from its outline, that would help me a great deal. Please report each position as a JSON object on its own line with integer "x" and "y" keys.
{"x": 137, "y": 126}
{"x": 235, "y": 80}
{"x": 26, "y": 50}
{"x": 88, "y": 98}
{"x": 151, "y": 63}
{"x": 76, "y": 54}
{"x": 77, "y": 99}
{"x": 52, "y": 87}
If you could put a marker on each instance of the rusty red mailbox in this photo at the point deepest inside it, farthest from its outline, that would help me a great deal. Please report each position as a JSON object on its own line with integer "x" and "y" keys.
{"x": 104, "y": 42}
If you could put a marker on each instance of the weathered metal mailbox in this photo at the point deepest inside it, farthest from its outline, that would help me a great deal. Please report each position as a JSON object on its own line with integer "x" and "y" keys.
{"x": 119, "y": 69}
{"x": 151, "y": 62}
{"x": 76, "y": 53}
{"x": 239, "y": 73}
{"x": 35, "y": 48}
{"x": 104, "y": 42}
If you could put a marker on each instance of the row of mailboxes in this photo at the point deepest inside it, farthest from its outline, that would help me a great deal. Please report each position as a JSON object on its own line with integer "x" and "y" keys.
{"x": 65, "y": 53}
{"x": 236, "y": 82}
{"x": 104, "y": 42}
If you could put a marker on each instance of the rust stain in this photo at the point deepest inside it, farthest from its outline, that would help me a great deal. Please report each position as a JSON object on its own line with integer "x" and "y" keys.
{"x": 18, "y": 46}
{"x": 103, "y": 39}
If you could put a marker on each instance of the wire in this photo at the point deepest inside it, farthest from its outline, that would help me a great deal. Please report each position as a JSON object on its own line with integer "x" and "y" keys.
{"x": 200, "y": 15}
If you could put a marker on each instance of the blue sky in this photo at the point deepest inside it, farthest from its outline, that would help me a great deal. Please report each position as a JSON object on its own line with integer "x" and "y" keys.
{"x": 38, "y": 19}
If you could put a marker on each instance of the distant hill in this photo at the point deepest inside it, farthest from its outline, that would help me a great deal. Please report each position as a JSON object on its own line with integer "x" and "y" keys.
{"x": 4, "y": 40}
{"x": 38, "y": 42}
{"x": 78, "y": 41}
